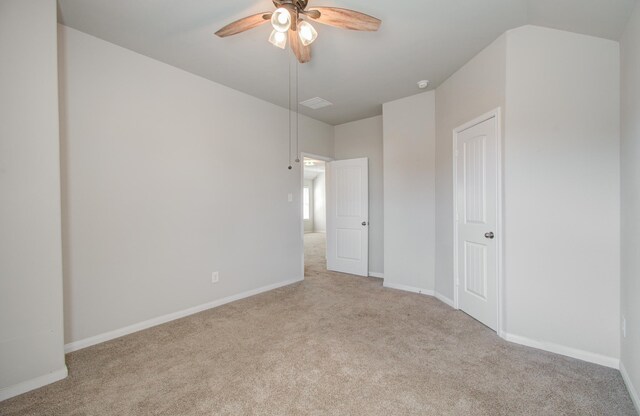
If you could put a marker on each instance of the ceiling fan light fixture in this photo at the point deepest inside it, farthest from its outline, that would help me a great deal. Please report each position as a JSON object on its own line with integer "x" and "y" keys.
{"x": 287, "y": 19}
{"x": 307, "y": 33}
{"x": 281, "y": 20}
{"x": 278, "y": 39}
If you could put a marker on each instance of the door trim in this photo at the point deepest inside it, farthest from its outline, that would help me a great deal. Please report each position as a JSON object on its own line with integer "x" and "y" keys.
{"x": 301, "y": 207}
{"x": 496, "y": 115}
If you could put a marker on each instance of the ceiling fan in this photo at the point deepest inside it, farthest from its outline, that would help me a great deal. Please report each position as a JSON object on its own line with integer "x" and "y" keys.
{"x": 288, "y": 24}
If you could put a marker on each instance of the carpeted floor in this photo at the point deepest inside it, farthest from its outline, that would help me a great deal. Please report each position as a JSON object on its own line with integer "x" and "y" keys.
{"x": 332, "y": 345}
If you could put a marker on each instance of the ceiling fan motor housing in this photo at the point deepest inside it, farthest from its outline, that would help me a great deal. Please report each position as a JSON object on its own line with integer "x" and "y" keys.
{"x": 295, "y": 7}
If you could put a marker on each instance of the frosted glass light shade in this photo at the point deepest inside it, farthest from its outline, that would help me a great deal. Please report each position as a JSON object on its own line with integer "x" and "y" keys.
{"x": 281, "y": 20}
{"x": 278, "y": 39}
{"x": 307, "y": 33}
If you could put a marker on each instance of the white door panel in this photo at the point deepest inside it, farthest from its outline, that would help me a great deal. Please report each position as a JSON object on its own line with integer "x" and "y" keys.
{"x": 477, "y": 218}
{"x": 348, "y": 216}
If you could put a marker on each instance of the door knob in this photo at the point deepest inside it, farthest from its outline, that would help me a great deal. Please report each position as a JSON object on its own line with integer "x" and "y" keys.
{"x": 364, "y": 223}
{"x": 489, "y": 235}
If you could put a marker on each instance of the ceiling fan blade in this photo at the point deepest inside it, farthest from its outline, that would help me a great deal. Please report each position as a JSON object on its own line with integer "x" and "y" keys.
{"x": 303, "y": 53}
{"x": 344, "y": 18}
{"x": 243, "y": 25}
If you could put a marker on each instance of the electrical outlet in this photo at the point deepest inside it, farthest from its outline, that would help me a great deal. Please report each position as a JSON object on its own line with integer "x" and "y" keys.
{"x": 215, "y": 277}
{"x": 290, "y": 197}
{"x": 624, "y": 327}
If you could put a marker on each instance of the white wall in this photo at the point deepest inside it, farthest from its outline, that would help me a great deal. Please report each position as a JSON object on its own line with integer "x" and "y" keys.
{"x": 315, "y": 137}
{"x": 360, "y": 139}
{"x": 162, "y": 177}
{"x": 409, "y": 192}
{"x": 310, "y": 223}
{"x": 559, "y": 97}
{"x": 319, "y": 204}
{"x": 474, "y": 90}
{"x": 630, "y": 151}
{"x": 562, "y": 198}
{"x": 31, "y": 333}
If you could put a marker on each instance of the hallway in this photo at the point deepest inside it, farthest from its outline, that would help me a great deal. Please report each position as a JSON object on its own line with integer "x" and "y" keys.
{"x": 315, "y": 260}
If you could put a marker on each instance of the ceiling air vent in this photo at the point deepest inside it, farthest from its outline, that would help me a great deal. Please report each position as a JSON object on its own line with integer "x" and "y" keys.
{"x": 316, "y": 103}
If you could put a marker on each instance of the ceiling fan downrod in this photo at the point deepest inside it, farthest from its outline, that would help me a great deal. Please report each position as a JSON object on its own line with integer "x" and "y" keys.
{"x": 300, "y": 5}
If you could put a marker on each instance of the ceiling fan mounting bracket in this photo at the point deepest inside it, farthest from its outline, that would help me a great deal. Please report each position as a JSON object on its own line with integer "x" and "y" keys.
{"x": 300, "y": 5}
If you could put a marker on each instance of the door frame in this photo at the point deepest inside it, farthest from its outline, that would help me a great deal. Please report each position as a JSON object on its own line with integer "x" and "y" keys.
{"x": 301, "y": 204}
{"x": 496, "y": 115}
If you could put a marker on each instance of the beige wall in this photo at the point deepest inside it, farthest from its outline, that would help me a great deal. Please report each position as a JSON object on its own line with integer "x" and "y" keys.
{"x": 559, "y": 97}
{"x": 359, "y": 139}
{"x": 162, "y": 178}
{"x": 630, "y": 355}
{"x": 474, "y": 90}
{"x": 409, "y": 192}
{"x": 31, "y": 334}
{"x": 562, "y": 192}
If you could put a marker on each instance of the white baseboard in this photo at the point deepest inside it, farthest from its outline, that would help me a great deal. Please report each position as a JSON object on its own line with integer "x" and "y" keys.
{"x": 563, "y": 350}
{"x": 378, "y": 275}
{"x": 427, "y": 292}
{"x": 34, "y": 383}
{"x": 409, "y": 289}
{"x": 635, "y": 395}
{"x": 546, "y": 346}
{"x": 108, "y": 336}
{"x": 444, "y": 299}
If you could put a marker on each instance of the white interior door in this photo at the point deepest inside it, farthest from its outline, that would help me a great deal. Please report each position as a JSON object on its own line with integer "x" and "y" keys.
{"x": 477, "y": 219}
{"x": 348, "y": 216}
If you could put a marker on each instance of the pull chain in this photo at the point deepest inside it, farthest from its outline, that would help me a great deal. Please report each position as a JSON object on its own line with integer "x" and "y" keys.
{"x": 297, "y": 115}
{"x": 289, "y": 110}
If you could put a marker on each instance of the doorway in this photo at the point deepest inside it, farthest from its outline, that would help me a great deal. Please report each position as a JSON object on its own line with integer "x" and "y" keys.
{"x": 478, "y": 220}
{"x": 335, "y": 215}
{"x": 314, "y": 212}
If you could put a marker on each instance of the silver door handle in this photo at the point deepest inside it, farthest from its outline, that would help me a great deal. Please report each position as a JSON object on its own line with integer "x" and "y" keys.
{"x": 364, "y": 223}
{"x": 489, "y": 235}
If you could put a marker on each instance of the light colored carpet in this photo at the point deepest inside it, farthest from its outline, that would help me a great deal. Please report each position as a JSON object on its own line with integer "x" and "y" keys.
{"x": 332, "y": 345}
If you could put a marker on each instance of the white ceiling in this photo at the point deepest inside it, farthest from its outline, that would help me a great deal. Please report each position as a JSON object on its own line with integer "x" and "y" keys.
{"x": 419, "y": 39}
